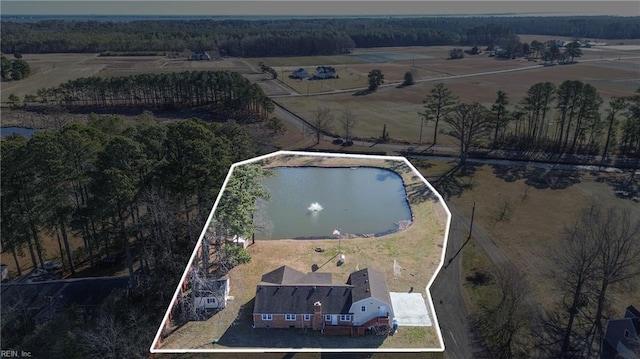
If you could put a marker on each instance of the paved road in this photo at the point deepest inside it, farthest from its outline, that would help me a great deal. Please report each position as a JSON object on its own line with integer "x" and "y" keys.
{"x": 447, "y": 295}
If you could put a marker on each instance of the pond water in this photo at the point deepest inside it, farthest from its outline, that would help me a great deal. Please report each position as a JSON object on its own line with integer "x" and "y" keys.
{"x": 8, "y": 131}
{"x": 312, "y": 202}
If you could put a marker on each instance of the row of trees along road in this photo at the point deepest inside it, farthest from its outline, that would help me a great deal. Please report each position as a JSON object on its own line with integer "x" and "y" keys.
{"x": 224, "y": 91}
{"x": 142, "y": 190}
{"x": 297, "y": 37}
{"x": 558, "y": 119}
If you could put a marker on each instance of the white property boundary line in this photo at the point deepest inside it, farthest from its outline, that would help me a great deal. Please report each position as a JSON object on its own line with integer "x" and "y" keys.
{"x": 441, "y": 347}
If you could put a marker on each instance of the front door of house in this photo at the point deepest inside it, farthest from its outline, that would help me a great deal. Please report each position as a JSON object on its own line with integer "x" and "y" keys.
{"x": 334, "y": 319}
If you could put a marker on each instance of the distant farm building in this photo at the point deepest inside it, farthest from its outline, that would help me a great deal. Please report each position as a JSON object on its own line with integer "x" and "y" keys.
{"x": 299, "y": 74}
{"x": 325, "y": 72}
{"x": 199, "y": 56}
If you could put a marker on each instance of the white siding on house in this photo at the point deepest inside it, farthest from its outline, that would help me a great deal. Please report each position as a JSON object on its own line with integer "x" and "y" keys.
{"x": 374, "y": 308}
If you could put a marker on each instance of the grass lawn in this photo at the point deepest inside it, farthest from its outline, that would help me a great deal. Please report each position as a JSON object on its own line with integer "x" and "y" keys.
{"x": 292, "y": 61}
{"x": 475, "y": 260}
{"x": 397, "y": 108}
{"x": 418, "y": 250}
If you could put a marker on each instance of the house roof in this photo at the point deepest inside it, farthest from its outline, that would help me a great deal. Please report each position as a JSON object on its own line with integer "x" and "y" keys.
{"x": 634, "y": 315}
{"x": 286, "y": 275}
{"x": 286, "y": 290}
{"x": 300, "y": 299}
{"x": 369, "y": 283}
{"x": 632, "y": 312}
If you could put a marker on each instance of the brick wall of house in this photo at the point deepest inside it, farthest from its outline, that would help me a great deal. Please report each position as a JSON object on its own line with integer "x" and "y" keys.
{"x": 316, "y": 322}
{"x": 279, "y": 321}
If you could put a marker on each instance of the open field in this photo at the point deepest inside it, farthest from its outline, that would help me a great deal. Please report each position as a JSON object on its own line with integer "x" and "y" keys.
{"x": 305, "y": 61}
{"x": 418, "y": 250}
{"x": 533, "y": 225}
{"x": 51, "y": 70}
{"x": 398, "y": 108}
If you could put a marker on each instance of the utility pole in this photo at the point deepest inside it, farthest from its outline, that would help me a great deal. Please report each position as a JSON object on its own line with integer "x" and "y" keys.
{"x": 473, "y": 211}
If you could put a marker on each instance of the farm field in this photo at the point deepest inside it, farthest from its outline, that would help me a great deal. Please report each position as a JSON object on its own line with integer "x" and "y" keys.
{"x": 531, "y": 230}
{"x": 398, "y": 108}
{"x": 51, "y": 70}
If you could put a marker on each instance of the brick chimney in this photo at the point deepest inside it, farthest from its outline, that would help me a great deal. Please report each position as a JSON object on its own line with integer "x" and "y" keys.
{"x": 316, "y": 320}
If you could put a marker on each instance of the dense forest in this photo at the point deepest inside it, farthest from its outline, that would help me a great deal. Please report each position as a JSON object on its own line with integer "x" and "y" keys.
{"x": 223, "y": 91}
{"x": 142, "y": 191}
{"x": 296, "y": 37}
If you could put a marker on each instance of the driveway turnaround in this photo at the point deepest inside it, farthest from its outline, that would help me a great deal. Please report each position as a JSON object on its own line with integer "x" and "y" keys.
{"x": 410, "y": 309}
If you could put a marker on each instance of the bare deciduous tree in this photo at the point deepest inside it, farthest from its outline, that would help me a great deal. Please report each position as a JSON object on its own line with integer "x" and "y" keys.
{"x": 348, "y": 121}
{"x": 322, "y": 121}
{"x": 504, "y": 320}
{"x": 468, "y": 123}
{"x": 599, "y": 249}
{"x": 618, "y": 235}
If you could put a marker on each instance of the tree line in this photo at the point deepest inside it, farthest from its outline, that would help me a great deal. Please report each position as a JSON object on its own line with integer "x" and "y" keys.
{"x": 142, "y": 191}
{"x": 296, "y": 37}
{"x": 223, "y": 91}
{"x": 561, "y": 119}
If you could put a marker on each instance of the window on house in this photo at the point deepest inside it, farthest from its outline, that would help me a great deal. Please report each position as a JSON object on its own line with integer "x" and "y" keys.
{"x": 307, "y": 317}
{"x": 290, "y": 317}
{"x": 267, "y": 317}
{"x": 327, "y": 317}
{"x": 363, "y": 309}
{"x": 345, "y": 318}
{"x": 626, "y": 334}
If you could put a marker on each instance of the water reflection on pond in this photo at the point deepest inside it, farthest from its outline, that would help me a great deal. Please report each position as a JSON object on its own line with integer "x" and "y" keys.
{"x": 313, "y": 202}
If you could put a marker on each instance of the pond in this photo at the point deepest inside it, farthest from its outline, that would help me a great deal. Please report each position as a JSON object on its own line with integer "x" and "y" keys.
{"x": 312, "y": 202}
{"x": 8, "y": 131}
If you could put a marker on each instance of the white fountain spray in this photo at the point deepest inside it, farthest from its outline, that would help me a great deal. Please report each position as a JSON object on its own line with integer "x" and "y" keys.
{"x": 315, "y": 207}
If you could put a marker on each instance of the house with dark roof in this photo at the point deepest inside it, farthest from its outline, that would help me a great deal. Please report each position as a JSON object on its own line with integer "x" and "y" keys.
{"x": 299, "y": 74}
{"x": 325, "y": 72}
{"x": 287, "y": 298}
{"x": 622, "y": 336}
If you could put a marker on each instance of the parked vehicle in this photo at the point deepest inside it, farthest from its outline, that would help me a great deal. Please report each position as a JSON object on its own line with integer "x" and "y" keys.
{"x": 52, "y": 265}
